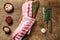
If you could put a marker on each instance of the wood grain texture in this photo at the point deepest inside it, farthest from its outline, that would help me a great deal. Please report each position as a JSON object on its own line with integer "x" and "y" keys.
{"x": 36, "y": 34}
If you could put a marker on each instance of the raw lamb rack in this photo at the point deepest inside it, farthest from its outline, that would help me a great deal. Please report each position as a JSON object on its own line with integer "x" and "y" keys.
{"x": 26, "y": 23}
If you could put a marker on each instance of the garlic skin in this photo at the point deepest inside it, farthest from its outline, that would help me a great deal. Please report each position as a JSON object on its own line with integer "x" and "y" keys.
{"x": 8, "y": 7}
{"x": 43, "y": 30}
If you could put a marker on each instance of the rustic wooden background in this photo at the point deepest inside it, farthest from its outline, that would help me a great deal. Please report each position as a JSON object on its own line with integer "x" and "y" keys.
{"x": 36, "y": 34}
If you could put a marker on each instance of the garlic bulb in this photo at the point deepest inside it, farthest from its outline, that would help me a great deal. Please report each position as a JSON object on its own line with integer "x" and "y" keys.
{"x": 43, "y": 30}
